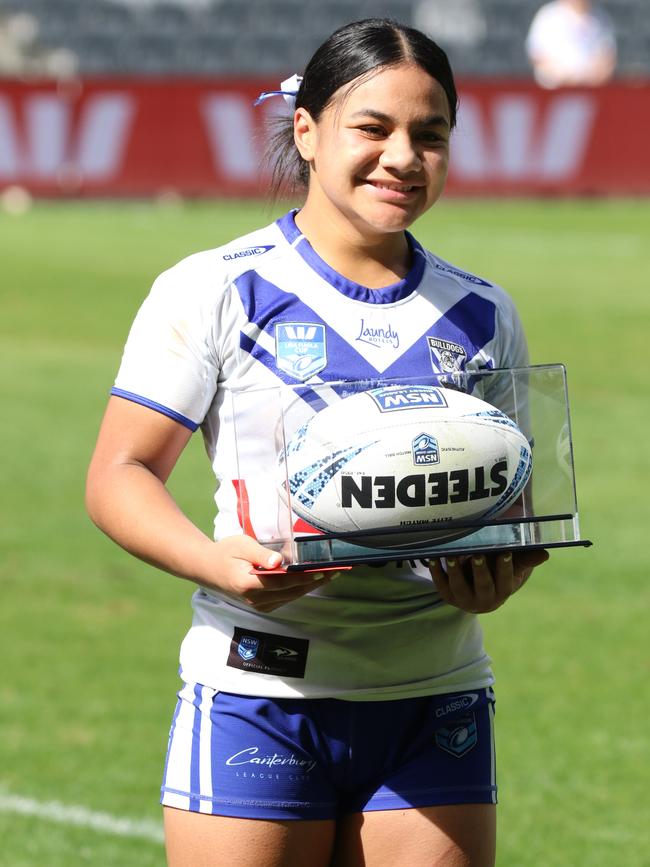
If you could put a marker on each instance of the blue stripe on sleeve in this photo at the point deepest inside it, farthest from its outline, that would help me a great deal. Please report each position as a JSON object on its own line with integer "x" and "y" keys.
{"x": 158, "y": 407}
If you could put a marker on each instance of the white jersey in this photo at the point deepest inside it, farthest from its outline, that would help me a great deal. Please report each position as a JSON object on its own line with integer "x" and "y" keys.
{"x": 266, "y": 311}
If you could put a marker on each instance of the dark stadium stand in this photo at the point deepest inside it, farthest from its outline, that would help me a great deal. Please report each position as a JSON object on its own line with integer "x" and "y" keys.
{"x": 241, "y": 37}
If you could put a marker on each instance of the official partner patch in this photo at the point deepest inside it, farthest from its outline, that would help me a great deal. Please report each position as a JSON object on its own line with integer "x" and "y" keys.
{"x": 264, "y": 653}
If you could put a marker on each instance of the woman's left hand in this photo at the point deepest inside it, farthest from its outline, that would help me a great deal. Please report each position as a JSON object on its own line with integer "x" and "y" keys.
{"x": 482, "y": 582}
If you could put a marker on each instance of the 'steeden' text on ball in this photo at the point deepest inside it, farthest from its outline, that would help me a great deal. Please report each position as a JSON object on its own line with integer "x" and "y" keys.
{"x": 422, "y": 489}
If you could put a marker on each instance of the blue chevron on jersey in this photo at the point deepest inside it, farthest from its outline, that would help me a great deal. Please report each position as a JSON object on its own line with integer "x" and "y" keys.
{"x": 471, "y": 321}
{"x": 268, "y": 307}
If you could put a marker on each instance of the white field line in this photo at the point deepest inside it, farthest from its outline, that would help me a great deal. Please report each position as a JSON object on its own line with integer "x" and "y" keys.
{"x": 68, "y": 814}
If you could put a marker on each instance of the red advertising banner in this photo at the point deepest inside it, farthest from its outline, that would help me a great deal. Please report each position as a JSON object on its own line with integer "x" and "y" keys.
{"x": 125, "y": 137}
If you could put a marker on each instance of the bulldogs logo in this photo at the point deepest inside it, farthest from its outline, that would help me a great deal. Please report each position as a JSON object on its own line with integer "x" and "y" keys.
{"x": 446, "y": 357}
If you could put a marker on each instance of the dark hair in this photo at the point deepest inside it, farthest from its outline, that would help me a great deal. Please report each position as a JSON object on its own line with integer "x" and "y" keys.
{"x": 352, "y": 51}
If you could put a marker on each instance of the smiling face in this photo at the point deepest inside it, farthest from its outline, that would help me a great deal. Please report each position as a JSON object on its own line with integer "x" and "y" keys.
{"x": 378, "y": 154}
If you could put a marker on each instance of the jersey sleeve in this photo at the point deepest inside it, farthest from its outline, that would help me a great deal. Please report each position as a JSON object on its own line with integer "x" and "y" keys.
{"x": 513, "y": 347}
{"x": 170, "y": 362}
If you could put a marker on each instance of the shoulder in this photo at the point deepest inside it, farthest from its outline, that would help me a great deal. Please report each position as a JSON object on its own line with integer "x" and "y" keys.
{"x": 548, "y": 10}
{"x": 441, "y": 270}
{"x": 206, "y": 274}
{"x": 551, "y": 11}
{"x": 547, "y": 17}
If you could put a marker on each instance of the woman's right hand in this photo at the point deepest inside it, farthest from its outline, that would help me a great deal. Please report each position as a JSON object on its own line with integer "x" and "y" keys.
{"x": 231, "y": 569}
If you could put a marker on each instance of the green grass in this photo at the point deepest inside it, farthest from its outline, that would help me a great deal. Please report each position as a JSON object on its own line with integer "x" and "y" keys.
{"x": 91, "y": 636}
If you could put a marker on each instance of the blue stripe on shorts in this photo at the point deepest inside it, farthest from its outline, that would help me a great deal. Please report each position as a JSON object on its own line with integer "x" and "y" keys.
{"x": 265, "y": 758}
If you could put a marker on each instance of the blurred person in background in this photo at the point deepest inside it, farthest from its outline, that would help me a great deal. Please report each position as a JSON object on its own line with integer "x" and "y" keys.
{"x": 571, "y": 43}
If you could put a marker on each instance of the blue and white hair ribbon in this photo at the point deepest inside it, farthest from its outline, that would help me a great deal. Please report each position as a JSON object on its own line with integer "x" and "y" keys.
{"x": 288, "y": 91}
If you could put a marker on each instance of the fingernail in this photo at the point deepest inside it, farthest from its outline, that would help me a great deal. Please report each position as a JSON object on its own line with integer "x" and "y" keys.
{"x": 507, "y": 558}
{"x": 478, "y": 561}
{"x": 318, "y": 576}
{"x": 451, "y": 562}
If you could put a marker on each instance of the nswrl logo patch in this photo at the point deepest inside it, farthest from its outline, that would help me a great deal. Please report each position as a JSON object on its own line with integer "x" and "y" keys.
{"x": 300, "y": 349}
{"x": 248, "y": 647}
{"x": 425, "y": 451}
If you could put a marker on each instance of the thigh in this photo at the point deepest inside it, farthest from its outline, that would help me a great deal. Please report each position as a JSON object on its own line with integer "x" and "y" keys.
{"x": 462, "y": 835}
{"x": 202, "y": 840}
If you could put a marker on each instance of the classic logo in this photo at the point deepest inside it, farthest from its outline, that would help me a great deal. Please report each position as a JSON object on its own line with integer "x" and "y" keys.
{"x": 300, "y": 349}
{"x": 248, "y": 251}
{"x": 424, "y": 449}
{"x": 396, "y": 397}
{"x": 471, "y": 278}
{"x": 456, "y": 704}
{"x": 458, "y": 738}
{"x": 45, "y": 140}
{"x": 248, "y": 647}
{"x": 446, "y": 357}
{"x": 377, "y": 336}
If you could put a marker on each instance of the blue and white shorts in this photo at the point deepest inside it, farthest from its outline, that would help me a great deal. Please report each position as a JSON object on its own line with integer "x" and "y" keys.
{"x": 270, "y": 758}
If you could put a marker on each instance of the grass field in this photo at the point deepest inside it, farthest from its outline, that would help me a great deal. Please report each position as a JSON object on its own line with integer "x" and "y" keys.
{"x": 90, "y": 637}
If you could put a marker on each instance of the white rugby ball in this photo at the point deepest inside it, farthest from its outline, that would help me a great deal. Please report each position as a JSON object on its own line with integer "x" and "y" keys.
{"x": 404, "y": 458}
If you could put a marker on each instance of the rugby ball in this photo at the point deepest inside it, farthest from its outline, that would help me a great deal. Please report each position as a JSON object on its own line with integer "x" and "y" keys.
{"x": 399, "y": 459}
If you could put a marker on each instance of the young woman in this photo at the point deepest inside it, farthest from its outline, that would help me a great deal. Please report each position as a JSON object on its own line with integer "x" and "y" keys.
{"x": 340, "y": 720}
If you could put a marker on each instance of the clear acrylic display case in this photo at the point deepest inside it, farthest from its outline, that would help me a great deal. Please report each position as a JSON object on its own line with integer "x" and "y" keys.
{"x": 545, "y": 515}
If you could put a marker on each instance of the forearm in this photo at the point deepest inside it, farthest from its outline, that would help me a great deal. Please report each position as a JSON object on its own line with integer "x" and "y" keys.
{"x": 126, "y": 497}
{"x": 132, "y": 506}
